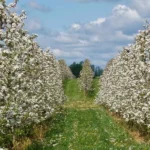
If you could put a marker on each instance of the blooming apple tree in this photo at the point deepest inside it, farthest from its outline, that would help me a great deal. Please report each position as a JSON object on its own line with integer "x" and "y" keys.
{"x": 125, "y": 83}
{"x": 30, "y": 79}
{"x": 65, "y": 70}
{"x": 86, "y": 76}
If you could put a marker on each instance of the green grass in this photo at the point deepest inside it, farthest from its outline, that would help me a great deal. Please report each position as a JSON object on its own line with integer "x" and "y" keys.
{"x": 75, "y": 94}
{"x": 84, "y": 126}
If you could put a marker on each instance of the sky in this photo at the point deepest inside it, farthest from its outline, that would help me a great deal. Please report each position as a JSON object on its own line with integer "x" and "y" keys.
{"x": 76, "y": 30}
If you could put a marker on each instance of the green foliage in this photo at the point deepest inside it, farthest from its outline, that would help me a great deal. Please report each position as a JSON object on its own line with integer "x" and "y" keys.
{"x": 98, "y": 72}
{"x": 94, "y": 89}
{"x": 6, "y": 139}
{"x": 76, "y": 68}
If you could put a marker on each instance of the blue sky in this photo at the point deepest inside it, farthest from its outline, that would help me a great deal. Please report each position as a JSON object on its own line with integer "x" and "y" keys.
{"x": 80, "y": 29}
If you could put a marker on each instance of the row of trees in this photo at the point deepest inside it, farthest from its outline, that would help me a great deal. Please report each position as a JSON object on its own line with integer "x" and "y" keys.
{"x": 30, "y": 78}
{"x": 125, "y": 83}
{"x": 85, "y": 73}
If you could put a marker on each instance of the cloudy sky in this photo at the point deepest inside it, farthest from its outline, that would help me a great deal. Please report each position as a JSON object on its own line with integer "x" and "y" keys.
{"x": 80, "y": 29}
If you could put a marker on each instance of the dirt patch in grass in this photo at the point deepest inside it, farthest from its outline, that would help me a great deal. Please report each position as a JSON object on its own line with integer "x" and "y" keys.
{"x": 38, "y": 135}
{"x": 81, "y": 105}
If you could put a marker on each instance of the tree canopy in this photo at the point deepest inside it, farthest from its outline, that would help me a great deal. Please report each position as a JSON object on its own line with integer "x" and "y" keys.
{"x": 77, "y": 67}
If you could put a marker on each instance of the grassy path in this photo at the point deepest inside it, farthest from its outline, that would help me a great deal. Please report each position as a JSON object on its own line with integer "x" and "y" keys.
{"x": 81, "y": 125}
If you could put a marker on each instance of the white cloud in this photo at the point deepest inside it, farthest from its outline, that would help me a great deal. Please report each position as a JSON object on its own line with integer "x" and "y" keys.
{"x": 98, "y": 40}
{"x": 122, "y": 36}
{"x": 142, "y": 6}
{"x": 123, "y": 17}
{"x": 64, "y": 37}
{"x": 75, "y": 26}
{"x": 98, "y": 21}
{"x": 61, "y": 53}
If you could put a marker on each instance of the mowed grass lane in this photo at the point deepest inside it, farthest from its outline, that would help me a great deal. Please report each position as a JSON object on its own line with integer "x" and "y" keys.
{"x": 82, "y": 125}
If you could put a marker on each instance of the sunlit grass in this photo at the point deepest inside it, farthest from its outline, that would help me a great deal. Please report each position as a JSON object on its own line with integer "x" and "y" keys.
{"x": 82, "y": 125}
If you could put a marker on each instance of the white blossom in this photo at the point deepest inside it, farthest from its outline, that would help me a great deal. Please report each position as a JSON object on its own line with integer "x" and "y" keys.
{"x": 125, "y": 83}
{"x": 30, "y": 79}
{"x": 65, "y": 70}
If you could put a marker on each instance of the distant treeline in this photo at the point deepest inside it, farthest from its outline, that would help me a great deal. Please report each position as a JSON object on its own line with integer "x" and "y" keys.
{"x": 77, "y": 67}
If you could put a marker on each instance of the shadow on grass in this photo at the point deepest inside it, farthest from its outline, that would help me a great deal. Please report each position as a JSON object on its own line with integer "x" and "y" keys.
{"x": 56, "y": 128}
